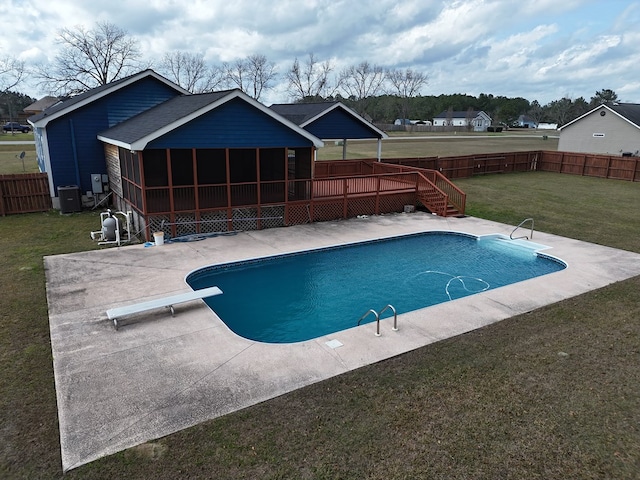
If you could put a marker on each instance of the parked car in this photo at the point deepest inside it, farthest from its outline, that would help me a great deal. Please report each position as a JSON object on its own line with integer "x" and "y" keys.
{"x": 16, "y": 127}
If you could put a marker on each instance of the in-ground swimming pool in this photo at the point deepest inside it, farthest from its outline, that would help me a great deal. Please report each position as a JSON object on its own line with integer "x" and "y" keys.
{"x": 300, "y": 296}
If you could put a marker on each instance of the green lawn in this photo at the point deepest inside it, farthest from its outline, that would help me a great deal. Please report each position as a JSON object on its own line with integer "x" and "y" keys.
{"x": 10, "y": 159}
{"x": 551, "y": 394}
{"x": 431, "y": 145}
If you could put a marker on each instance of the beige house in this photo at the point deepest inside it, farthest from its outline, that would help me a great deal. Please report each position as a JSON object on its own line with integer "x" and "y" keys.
{"x": 609, "y": 129}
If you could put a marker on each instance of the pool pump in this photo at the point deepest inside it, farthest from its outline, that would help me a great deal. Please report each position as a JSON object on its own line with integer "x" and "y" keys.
{"x": 113, "y": 231}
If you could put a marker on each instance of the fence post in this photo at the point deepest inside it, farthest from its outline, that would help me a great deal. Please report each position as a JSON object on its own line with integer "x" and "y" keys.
{"x": 2, "y": 208}
{"x": 345, "y": 189}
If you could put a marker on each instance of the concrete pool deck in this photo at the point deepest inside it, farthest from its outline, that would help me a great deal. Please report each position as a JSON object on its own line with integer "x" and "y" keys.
{"x": 159, "y": 374}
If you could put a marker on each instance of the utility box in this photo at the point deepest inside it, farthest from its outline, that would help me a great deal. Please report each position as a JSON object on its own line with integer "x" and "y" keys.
{"x": 96, "y": 183}
{"x": 70, "y": 199}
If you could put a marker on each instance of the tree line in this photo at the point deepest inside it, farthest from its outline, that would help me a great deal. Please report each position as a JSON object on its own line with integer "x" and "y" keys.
{"x": 88, "y": 58}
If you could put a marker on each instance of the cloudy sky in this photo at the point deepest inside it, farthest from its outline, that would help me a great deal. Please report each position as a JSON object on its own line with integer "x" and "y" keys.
{"x": 537, "y": 49}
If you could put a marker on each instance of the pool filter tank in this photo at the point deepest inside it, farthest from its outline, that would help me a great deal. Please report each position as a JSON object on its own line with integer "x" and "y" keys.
{"x": 109, "y": 226}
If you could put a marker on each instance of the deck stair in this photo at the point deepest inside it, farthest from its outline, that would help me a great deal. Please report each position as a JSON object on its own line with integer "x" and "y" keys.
{"x": 433, "y": 190}
{"x": 436, "y": 199}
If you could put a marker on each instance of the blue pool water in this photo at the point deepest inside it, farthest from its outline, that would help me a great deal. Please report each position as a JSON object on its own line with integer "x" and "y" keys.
{"x": 300, "y": 296}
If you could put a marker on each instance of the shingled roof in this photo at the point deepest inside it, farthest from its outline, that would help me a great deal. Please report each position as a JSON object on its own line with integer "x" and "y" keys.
{"x": 160, "y": 118}
{"x": 628, "y": 111}
{"x": 302, "y": 113}
{"x": 92, "y": 95}
{"x": 138, "y": 131}
{"x": 308, "y": 115}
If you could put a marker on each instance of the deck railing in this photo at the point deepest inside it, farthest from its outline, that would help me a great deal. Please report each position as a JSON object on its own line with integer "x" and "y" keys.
{"x": 443, "y": 186}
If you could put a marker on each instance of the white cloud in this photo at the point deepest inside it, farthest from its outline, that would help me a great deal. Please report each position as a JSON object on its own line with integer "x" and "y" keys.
{"x": 531, "y": 49}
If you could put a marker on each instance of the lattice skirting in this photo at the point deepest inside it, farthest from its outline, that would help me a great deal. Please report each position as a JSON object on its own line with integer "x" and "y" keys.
{"x": 299, "y": 214}
{"x": 272, "y": 216}
{"x": 396, "y": 203}
{"x": 361, "y": 206}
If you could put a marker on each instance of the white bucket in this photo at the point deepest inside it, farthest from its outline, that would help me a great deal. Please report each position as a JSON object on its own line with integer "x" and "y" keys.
{"x": 159, "y": 238}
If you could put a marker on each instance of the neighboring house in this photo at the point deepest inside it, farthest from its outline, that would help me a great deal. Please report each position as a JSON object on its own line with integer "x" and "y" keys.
{"x": 610, "y": 129}
{"x": 525, "y": 121}
{"x": 67, "y": 147}
{"x": 211, "y": 162}
{"x": 479, "y": 121}
{"x": 41, "y": 105}
{"x": 330, "y": 121}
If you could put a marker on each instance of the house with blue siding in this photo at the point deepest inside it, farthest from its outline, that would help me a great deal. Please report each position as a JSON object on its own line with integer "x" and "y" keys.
{"x": 186, "y": 164}
{"x": 65, "y": 134}
{"x": 331, "y": 121}
{"x": 206, "y": 163}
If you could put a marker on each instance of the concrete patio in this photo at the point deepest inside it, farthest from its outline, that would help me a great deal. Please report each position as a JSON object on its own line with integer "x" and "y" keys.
{"x": 159, "y": 374}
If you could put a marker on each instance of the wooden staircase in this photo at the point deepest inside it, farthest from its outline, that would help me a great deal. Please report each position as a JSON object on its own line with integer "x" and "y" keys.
{"x": 440, "y": 197}
{"x": 433, "y": 190}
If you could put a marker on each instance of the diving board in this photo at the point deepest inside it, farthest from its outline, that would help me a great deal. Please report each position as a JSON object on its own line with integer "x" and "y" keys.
{"x": 119, "y": 312}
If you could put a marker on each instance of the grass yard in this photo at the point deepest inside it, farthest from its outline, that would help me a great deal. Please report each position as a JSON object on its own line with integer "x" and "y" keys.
{"x": 430, "y": 145}
{"x": 10, "y": 161}
{"x": 554, "y": 393}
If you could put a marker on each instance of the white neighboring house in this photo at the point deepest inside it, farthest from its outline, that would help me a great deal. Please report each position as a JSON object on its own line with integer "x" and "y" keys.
{"x": 609, "y": 129}
{"x": 480, "y": 121}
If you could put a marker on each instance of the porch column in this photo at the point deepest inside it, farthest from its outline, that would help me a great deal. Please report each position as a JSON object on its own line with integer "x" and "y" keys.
{"x": 379, "y": 149}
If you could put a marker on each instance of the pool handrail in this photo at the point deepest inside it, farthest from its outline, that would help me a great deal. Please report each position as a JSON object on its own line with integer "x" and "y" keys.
{"x": 377, "y": 315}
{"x": 395, "y": 316}
{"x": 371, "y": 310}
{"x": 520, "y": 225}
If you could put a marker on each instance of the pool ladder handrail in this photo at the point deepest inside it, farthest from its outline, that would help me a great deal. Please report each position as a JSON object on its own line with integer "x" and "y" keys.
{"x": 520, "y": 225}
{"x": 377, "y": 315}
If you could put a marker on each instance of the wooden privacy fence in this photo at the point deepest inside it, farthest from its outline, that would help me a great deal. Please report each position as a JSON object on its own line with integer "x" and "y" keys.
{"x": 591, "y": 165}
{"x": 24, "y": 193}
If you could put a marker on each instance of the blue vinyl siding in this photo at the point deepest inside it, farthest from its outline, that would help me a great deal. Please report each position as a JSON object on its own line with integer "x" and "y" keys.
{"x": 339, "y": 124}
{"x": 235, "y": 124}
{"x": 73, "y": 146}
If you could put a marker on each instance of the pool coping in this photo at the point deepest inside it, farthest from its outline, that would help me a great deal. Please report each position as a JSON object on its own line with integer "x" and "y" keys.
{"x": 159, "y": 374}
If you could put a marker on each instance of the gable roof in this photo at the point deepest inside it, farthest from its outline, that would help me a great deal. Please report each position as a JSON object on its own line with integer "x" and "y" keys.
{"x": 629, "y": 112}
{"x": 78, "y": 101}
{"x": 303, "y": 114}
{"x": 137, "y": 132}
{"x": 42, "y": 104}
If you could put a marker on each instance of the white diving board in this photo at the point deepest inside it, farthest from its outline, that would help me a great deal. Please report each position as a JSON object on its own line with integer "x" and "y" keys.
{"x": 119, "y": 312}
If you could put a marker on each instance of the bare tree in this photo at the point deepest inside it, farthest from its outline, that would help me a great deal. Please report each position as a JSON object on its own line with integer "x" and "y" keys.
{"x": 311, "y": 82}
{"x": 253, "y": 75}
{"x": 12, "y": 73}
{"x": 361, "y": 82}
{"x": 90, "y": 58}
{"x": 469, "y": 117}
{"x": 406, "y": 84}
{"x": 191, "y": 72}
